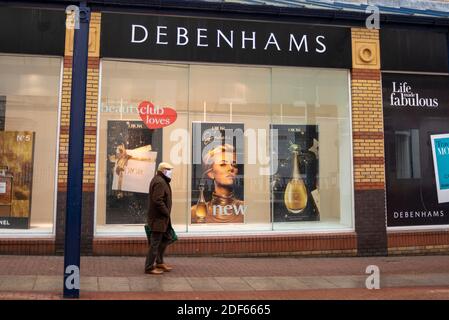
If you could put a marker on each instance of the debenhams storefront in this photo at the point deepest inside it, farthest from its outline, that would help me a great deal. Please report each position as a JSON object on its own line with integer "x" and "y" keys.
{"x": 275, "y": 125}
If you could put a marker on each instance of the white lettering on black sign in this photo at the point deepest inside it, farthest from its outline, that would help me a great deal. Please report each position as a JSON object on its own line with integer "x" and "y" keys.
{"x": 224, "y": 41}
{"x": 297, "y": 43}
{"x": 403, "y": 95}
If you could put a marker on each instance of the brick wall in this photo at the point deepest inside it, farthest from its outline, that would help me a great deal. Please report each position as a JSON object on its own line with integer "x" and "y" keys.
{"x": 27, "y": 246}
{"x": 418, "y": 242}
{"x": 368, "y": 144}
{"x": 90, "y": 140}
{"x": 305, "y": 244}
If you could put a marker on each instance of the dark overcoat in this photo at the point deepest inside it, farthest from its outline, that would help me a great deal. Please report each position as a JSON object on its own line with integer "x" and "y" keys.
{"x": 160, "y": 203}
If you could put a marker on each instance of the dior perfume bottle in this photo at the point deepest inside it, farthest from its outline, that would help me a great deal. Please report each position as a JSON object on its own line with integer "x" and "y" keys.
{"x": 201, "y": 207}
{"x": 295, "y": 195}
{"x": 6, "y": 184}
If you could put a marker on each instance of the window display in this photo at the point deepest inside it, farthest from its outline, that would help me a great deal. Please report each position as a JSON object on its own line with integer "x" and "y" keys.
{"x": 218, "y": 179}
{"x": 315, "y": 101}
{"x": 143, "y": 106}
{"x": 254, "y": 148}
{"x": 29, "y": 103}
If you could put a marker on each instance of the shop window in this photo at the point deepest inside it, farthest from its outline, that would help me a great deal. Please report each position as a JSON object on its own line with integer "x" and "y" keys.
{"x": 29, "y": 99}
{"x": 230, "y": 116}
{"x": 122, "y": 196}
{"x": 254, "y": 148}
{"x": 407, "y": 154}
{"x": 312, "y": 187}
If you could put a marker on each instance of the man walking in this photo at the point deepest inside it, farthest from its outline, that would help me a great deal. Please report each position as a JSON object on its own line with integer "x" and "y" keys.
{"x": 159, "y": 220}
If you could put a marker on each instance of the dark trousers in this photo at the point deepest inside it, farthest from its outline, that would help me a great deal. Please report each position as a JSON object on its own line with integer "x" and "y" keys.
{"x": 158, "y": 243}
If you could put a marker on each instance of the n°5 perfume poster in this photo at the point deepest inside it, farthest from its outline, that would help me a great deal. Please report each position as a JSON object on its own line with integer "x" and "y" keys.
{"x": 16, "y": 178}
{"x": 217, "y": 173}
{"x": 294, "y": 189}
{"x": 132, "y": 153}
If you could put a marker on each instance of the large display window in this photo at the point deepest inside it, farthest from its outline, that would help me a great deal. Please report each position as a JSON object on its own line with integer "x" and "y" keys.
{"x": 416, "y": 116}
{"x": 254, "y": 148}
{"x": 29, "y": 100}
{"x": 125, "y": 86}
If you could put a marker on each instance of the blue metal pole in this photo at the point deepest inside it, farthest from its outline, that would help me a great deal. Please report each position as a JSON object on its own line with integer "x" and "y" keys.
{"x": 76, "y": 153}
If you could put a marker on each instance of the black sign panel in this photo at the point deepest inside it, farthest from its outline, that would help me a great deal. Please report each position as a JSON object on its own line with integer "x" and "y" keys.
{"x": 416, "y": 108}
{"x": 14, "y": 223}
{"x": 32, "y": 31}
{"x": 223, "y": 41}
{"x": 414, "y": 50}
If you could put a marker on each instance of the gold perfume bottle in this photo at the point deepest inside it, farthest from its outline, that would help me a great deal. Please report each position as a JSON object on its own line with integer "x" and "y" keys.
{"x": 295, "y": 195}
{"x": 201, "y": 207}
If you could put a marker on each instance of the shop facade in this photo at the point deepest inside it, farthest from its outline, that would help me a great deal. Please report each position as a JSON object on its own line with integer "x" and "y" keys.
{"x": 288, "y": 135}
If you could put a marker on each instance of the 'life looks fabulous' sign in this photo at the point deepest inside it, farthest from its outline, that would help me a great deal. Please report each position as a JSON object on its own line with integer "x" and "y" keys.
{"x": 156, "y": 117}
{"x": 213, "y": 40}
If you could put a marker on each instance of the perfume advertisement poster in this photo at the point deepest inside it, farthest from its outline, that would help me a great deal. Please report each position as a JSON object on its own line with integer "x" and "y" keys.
{"x": 416, "y": 118}
{"x": 295, "y": 194}
{"x": 217, "y": 173}
{"x": 132, "y": 153}
{"x": 440, "y": 151}
{"x": 16, "y": 178}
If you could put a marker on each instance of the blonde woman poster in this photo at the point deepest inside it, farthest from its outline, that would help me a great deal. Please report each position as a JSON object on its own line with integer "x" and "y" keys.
{"x": 217, "y": 182}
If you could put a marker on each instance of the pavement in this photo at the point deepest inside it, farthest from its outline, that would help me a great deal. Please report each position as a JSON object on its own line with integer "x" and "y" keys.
{"x": 219, "y": 278}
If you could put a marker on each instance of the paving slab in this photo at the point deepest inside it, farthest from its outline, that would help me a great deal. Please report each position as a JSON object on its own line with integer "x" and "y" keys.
{"x": 233, "y": 284}
{"x": 414, "y": 280}
{"x": 148, "y": 283}
{"x": 346, "y": 281}
{"x": 49, "y": 283}
{"x": 317, "y": 282}
{"x": 89, "y": 284}
{"x": 17, "y": 283}
{"x": 113, "y": 284}
{"x": 204, "y": 284}
{"x": 435, "y": 279}
{"x": 289, "y": 283}
{"x": 262, "y": 283}
{"x": 175, "y": 284}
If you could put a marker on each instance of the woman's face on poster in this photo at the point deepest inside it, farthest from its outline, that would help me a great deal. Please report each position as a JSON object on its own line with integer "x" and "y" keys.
{"x": 224, "y": 168}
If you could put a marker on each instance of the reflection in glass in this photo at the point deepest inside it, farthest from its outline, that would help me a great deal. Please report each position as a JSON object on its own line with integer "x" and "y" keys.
{"x": 407, "y": 154}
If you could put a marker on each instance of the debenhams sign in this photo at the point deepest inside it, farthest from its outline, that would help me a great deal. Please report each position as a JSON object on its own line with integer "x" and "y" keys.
{"x": 226, "y": 41}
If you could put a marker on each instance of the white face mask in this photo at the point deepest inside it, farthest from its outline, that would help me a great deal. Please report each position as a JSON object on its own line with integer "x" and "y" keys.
{"x": 168, "y": 173}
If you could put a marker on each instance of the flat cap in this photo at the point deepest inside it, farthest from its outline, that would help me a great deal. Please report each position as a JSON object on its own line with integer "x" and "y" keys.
{"x": 164, "y": 165}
